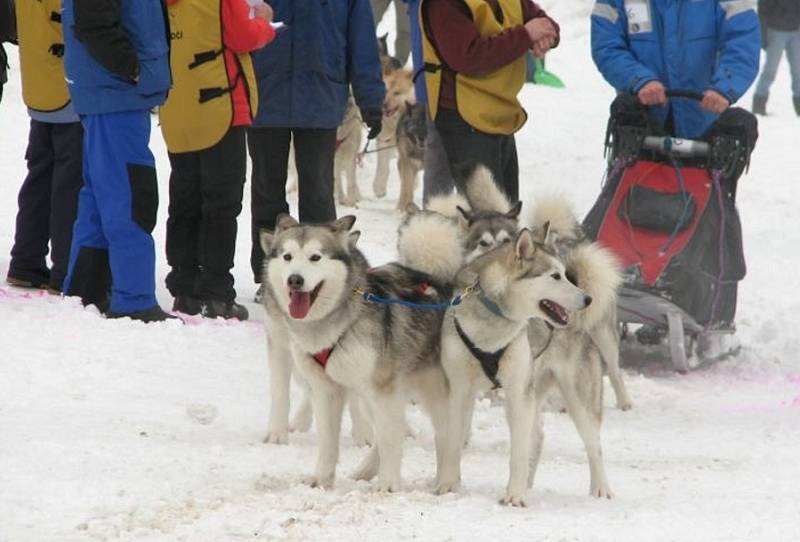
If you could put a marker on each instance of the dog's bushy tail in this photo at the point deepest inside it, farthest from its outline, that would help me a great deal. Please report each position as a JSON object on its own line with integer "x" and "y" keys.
{"x": 557, "y": 210}
{"x": 447, "y": 205}
{"x": 430, "y": 242}
{"x": 483, "y": 193}
{"x": 594, "y": 268}
{"x": 597, "y": 273}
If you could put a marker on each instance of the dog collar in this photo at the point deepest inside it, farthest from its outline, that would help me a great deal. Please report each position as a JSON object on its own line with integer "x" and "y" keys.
{"x": 490, "y": 305}
{"x": 490, "y": 361}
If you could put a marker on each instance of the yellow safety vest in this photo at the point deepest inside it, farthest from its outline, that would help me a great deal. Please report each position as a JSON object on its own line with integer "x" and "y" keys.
{"x": 41, "y": 52}
{"x": 199, "y": 110}
{"x": 488, "y": 103}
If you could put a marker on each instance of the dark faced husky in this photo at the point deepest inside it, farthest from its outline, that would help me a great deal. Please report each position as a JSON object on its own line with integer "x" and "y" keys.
{"x": 384, "y": 353}
{"x": 412, "y": 129}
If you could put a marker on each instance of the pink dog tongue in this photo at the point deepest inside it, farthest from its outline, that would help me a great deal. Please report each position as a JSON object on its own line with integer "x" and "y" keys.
{"x": 299, "y": 304}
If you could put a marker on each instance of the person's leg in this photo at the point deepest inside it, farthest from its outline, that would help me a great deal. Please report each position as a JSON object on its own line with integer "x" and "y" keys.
{"x": 126, "y": 190}
{"x": 183, "y": 226}
{"x": 29, "y": 254}
{"x": 67, "y": 182}
{"x": 465, "y": 148}
{"x": 315, "y": 150}
{"x": 510, "y": 168}
{"x": 224, "y": 170}
{"x": 89, "y": 271}
{"x": 269, "y": 152}
{"x": 776, "y": 43}
{"x": 436, "y": 176}
{"x": 402, "y": 41}
{"x": 793, "y": 56}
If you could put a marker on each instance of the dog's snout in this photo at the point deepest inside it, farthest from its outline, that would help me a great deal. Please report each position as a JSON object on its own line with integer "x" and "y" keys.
{"x": 295, "y": 282}
{"x": 587, "y": 300}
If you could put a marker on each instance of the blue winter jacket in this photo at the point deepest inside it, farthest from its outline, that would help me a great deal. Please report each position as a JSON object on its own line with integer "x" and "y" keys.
{"x": 303, "y": 76}
{"x": 96, "y": 90}
{"x": 685, "y": 44}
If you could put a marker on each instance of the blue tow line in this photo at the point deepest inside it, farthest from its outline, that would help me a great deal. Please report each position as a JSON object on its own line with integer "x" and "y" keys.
{"x": 372, "y": 298}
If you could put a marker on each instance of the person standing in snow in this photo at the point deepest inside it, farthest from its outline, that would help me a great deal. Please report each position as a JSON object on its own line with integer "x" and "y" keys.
{"x": 213, "y": 99}
{"x": 48, "y": 199}
{"x": 780, "y": 25}
{"x": 474, "y": 58}
{"x": 117, "y": 68}
{"x": 303, "y": 79}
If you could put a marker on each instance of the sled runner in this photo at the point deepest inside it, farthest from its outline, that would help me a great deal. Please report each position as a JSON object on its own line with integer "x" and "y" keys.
{"x": 667, "y": 210}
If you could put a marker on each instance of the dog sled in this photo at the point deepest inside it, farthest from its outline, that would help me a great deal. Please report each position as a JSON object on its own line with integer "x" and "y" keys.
{"x": 668, "y": 212}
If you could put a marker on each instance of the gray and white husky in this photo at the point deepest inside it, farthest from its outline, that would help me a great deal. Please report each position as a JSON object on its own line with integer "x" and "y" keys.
{"x": 385, "y": 354}
{"x": 489, "y": 220}
{"x": 486, "y": 345}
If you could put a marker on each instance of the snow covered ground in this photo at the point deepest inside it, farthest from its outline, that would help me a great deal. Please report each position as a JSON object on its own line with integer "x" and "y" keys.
{"x": 112, "y": 430}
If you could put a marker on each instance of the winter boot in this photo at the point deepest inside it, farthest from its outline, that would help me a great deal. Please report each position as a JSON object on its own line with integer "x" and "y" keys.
{"x": 796, "y": 101}
{"x": 153, "y": 314}
{"x": 187, "y": 304}
{"x": 760, "y": 105}
{"x": 225, "y": 309}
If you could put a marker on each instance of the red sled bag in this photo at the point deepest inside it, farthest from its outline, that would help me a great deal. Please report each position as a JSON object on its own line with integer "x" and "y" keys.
{"x": 677, "y": 233}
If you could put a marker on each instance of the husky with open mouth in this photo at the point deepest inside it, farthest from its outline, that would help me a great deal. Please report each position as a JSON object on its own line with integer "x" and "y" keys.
{"x": 386, "y": 354}
{"x": 486, "y": 344}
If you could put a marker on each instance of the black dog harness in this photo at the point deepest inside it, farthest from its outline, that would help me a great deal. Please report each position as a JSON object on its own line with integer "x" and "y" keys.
{"x": 490, "y": 361}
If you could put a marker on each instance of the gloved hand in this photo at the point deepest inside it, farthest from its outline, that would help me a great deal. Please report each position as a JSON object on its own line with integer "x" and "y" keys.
{"x": 373, "y": 118}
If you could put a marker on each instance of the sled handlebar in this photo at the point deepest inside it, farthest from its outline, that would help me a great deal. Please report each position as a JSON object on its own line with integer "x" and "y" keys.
{"x": 676, "y": 146}
{"x": 684, "y": 93}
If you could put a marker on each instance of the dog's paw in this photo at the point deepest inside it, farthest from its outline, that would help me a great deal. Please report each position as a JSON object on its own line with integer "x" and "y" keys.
{"x": 601, "y": 491}
{"x": 362, "y": 438}
{"x": 625, "y": 405}
{"x": 387, "y": 486}
{"x": 323, "y": 482}
{"x": 379, "y": 192}
{"x": 277, "y": 437}
{"x": 443, "y": 488}
{"x": 301, "y": 423}
{"x": 349, "y": 202}
{"x": 514, "y": 500}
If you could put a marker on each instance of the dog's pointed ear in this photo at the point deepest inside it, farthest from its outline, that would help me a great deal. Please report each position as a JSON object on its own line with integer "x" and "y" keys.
{"x": 513, "y": 213}
{"x": 284, "y": 222}
{"x": 266, "y": 238}
{"x": 352, "y": 239}
{"x": 412, "y": 209}
{"x": 524, "y": 246}
{"x": 344, "y": 224}
{"x": 543, "y": 235}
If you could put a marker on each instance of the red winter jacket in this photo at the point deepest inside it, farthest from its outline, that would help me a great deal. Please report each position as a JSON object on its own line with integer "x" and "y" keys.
{"x": 240, "y": 34}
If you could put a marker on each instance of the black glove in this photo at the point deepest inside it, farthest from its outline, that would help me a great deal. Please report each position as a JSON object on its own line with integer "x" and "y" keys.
{"x": 373, "y": 118}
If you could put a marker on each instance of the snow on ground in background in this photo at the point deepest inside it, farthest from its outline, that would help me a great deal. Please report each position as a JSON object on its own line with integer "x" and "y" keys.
{"x": 115, "y": 430}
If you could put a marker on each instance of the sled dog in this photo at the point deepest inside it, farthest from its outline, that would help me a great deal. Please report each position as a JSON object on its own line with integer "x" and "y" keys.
{"x": 492, "y": 220}
{"x": 348, "y": 145}
{"x": 385, "y": 354}
{"x": 399, "y": 92}
{"x": 412, "y": 129}
{"x": 485, "y": 345}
